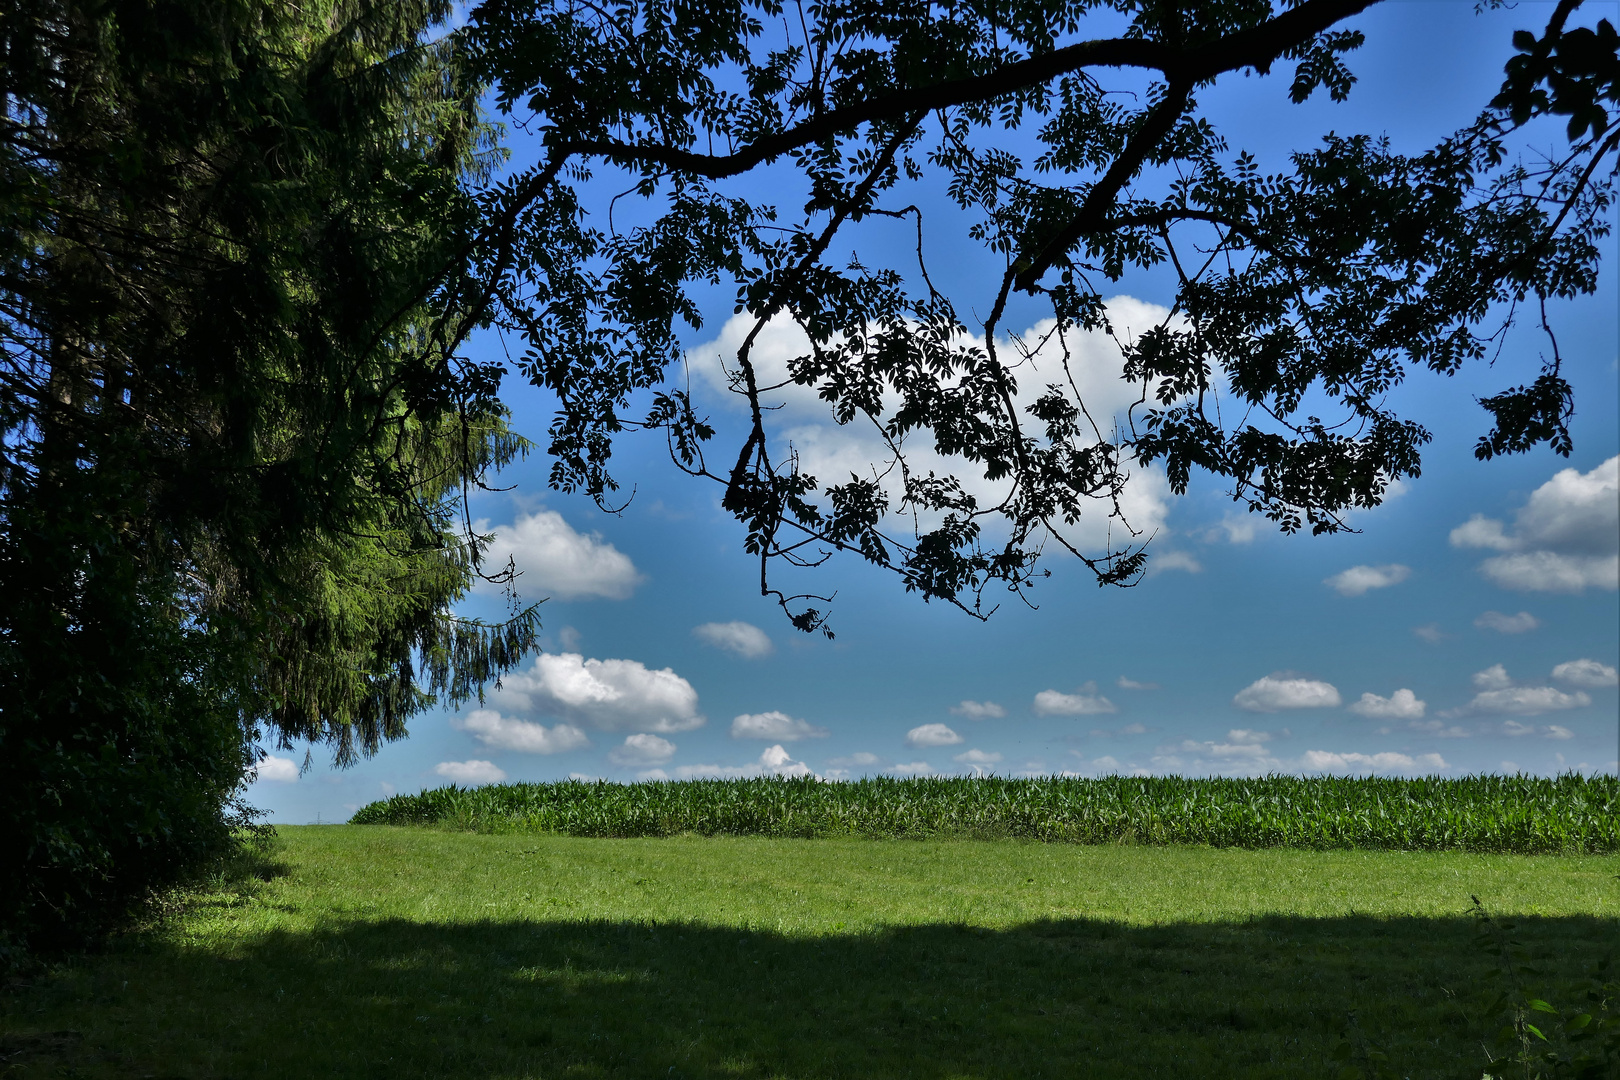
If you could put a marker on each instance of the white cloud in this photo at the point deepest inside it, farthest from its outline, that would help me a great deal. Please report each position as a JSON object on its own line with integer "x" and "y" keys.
{"x": 277, "y": 770}
{"x": 913, "y": 768}
{"x": 471, "y": 772}
{"x": 828, "y": 450}
{"x": 1527, "y": 701}
{"x": 932, "y": 735}
{"x": 1105, "y": 765}
{"x": 1557, "y": 731}
{"x": 777, "y": 760}
{"x": 1243, "y": 752}
{"x": 612, "y": 695}
{"x": 744, "y": 639}
{"x": 642, "y": 749}
{"x": 977, "y": 757}
{"x": 1233, "y": 528}
{"x": 1521, "y": 623}
{"x": 1588, "y": 673}
{"x": 1565, "y": 538}
{"x": 1548, "y": 571}
{"x": 1431, "y": 633}
{"x": 860, "y": 757}
{"x": 492, "y": 729}
{"x": 1280, "y": 691}
{"x": 1359, "y": 579}
{"x": 1227, "y": 751}
{"x": 1494, "y": 677}
{"x": 1131, "y": 684}
{"x": 1054, "y": 703}
{"x": 773, "y": 761}
{"x": 1438, "y": 728}
{"x": 778, "y": 726}
{"x": 1388, "y": 761}
{"x": 1401, "y": 705}
{"x": 1159, "y": 561}
{"x": 552, "y": 558}
{"x": 1480, "y": 531}
{"x": 978, "y": 710}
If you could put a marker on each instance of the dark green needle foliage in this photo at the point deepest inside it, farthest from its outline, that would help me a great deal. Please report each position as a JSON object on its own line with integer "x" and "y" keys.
{"x": 232, "y": 447}
{"x": 1070, "y": 136}
{"x": 1529, "y": 815}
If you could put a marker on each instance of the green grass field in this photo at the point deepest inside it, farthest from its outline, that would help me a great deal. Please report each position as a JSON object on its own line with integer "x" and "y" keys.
{"x": 393, "y": 952}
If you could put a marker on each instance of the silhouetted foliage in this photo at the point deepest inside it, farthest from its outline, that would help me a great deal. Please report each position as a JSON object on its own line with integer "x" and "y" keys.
{"x": 1305, "y": 296}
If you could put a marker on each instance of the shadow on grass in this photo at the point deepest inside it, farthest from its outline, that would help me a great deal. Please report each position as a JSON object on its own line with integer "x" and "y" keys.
{"x": 395, "y": 998}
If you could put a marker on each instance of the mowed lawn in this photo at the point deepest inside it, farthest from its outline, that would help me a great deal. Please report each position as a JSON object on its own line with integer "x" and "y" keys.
{"x": 374, "y": 951}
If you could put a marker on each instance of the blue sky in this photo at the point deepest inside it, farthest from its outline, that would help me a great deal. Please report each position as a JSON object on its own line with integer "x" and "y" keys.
{"x": 1472, "y": 624}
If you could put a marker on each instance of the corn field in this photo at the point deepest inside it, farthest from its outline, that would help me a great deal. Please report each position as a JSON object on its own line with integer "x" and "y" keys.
{"x": 1521, "y": 814}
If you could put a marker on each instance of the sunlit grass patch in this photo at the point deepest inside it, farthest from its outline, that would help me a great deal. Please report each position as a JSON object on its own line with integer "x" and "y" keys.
{"x": 409, "y": 952}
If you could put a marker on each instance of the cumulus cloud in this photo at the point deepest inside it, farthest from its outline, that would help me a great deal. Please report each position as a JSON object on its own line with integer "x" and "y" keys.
{"x": 1131, "y": 684}
{"x": 611, "y": 695}
{"x": 744, "y": 639}
{"x": 1565, "y": 538}
{"x": 1527, "y": 701}
{"x": 552, "y": 558}
{"x": 1521, "y": 623}
{"x": 1401, "y": 705}
{"x": 277, "y": 770}
{"x": 471, "y": 772}
{"x": 1243, "y": 751}
{"x": 1360, "y": 579}
{"x": 977, "y": 757}
{"x": 826, "y": 449}
{"x": 1431, "y": 633}
{"x": 1232, "y": 528}
{"x": 860, "y": 757}
{"x": 642, "y": 749}
{"x": 1556, "y": 731}
{"x": 1494, "y": 677}
{"x": 978, "y": 710}
{"x": 777, "y": 726}
{"x": 1282, "y": 691}
{"x": 912, "y": 768}
{"x": 504, "y": 733}
{"x": 1232, "y": 750}
{"x": 932, "y": 735}
{"x": 1085, "y": 703}
{"x": 1387, "y": 761}
{"x": 773, "y": 761}
{"x": 1161, "y": 561}
{"x": 1588, "y": 673}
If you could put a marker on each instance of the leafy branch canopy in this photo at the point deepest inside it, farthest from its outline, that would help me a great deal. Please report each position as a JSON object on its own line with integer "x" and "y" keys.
{"x": 1305, "y": 297}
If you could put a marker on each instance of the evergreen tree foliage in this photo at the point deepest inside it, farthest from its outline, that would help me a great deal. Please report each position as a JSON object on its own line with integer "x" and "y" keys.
{"x": 234, "y": 435}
